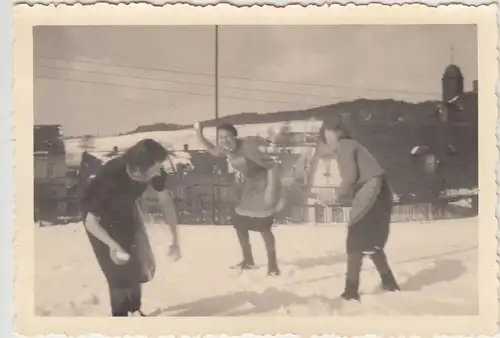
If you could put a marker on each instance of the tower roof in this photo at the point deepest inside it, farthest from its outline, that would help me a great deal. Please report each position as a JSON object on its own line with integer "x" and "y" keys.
{"x": 452, "y": 71}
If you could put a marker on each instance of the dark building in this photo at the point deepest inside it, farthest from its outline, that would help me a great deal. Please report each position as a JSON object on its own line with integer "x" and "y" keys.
{"x": 450, "y": 135}
{"x": 49, "y": 153}
{"x": 453, "y": 83}
{"x": 48, "y": 138}
{"x": 52, "y": 178}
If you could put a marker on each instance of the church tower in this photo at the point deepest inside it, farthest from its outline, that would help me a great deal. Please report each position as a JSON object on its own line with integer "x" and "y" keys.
{"x": 452, "y": 81}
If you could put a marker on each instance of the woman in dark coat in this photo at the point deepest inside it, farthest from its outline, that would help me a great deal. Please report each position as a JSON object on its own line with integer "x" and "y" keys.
{"x": 115, "y": 226}
{"x": 260, "y": 194}
{"x": 365, "y": 187}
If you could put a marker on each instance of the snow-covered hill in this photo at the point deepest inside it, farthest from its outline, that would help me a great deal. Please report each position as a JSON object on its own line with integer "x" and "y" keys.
{"x": 177, "y": 139}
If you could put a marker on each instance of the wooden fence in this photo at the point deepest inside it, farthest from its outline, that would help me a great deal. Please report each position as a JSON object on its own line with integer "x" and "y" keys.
{"x": 213, "y": 204}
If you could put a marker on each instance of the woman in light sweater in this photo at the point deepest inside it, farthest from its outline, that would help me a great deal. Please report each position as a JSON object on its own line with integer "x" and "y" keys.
{"x": 259, "y": 194}
{"x": 364, "y": 186}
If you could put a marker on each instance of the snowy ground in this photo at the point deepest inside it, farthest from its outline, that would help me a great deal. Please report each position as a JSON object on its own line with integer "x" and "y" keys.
{"x": 436, "y": 264}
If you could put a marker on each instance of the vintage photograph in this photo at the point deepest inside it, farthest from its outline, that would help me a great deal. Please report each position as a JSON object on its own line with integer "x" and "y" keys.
{"x": 209, "y": 170}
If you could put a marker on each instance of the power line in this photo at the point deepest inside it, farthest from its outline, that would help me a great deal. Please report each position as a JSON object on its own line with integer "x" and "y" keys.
{"x": 126, "y": 76}
{"x": 163, "y": 90}
{"x": 194, "y": 83}
{"x": 127, "y": 66}
{"x": 239, "y": 77}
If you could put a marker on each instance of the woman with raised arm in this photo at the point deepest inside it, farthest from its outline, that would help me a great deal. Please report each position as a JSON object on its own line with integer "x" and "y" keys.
{"x": 114, "y": 223}
{"x": 260, "y": 191}
{"x": 364, "y": 186}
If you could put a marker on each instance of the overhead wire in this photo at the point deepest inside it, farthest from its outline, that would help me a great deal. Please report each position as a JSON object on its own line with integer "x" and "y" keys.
{"x": 194, "y": 83}
{"x": 183, "y": 72}
{"x": 163, "y": 90}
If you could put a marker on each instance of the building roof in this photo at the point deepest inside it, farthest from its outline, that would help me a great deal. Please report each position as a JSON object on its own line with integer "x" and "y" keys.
{"x": 452, "y": 71}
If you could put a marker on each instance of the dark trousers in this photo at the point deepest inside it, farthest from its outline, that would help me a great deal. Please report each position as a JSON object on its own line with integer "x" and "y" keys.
{"x": 246, "y": 248}
{"x": 124, "y": 301}
{"x": 355, "y": 262}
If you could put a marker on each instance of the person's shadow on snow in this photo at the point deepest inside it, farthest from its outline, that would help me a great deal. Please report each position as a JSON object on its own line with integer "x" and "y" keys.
{"x": 444, "y": 270}
{"x": 314, "y": 262}
{"x": 269, "y": 300}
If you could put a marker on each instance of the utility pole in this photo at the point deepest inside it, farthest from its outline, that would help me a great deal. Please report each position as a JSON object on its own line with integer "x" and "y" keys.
{"x": 217, "y": 81}
{"x": 214, "y": 197}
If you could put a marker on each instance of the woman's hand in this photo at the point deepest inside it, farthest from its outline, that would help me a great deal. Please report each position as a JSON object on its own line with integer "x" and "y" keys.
{"x": 119, "y": 256}
{"x": 174, "y": 252}
{"x": 116, "y": 252}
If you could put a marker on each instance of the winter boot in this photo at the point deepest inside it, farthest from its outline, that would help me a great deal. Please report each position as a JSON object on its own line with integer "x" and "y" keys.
{"x": 137, "y": 313}
{"x": 244, "y": 266}
{"x": 389, "y": 282}
{"x": 273, "y": 271}
{"x": 351, "y": 290}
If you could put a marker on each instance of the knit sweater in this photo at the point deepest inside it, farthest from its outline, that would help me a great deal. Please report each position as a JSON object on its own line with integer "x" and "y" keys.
{"x": 357, "y": 166}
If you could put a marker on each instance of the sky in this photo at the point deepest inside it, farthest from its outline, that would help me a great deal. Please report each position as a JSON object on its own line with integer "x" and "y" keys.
{"x": 104, "y": 80}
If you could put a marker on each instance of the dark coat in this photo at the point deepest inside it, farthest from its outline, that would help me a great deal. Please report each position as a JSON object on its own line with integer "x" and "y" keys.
{"x": 111, "y": 196}
{"x": 371, "y": 231}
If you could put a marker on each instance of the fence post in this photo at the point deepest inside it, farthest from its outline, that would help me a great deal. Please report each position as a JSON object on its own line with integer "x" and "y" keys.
{"x": 213, "y": 201}
{"x": 311, "y": 211}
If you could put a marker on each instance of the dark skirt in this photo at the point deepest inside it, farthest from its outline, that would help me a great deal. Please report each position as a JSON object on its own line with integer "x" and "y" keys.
{"x": 371, "y": 231}
{"x": 258, "y": 224}
{"x": 141, "y": 266}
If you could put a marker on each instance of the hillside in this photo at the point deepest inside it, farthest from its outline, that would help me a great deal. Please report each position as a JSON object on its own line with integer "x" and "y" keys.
{"x": 157, "y": 127}
{"x": 376, "y": 110}
{"x": 389, "y": 129}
